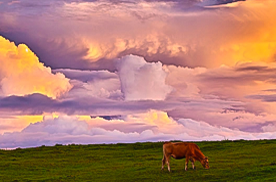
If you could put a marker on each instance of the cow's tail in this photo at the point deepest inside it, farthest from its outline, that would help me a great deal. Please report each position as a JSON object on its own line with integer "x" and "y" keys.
{"x": 164, "y": 156}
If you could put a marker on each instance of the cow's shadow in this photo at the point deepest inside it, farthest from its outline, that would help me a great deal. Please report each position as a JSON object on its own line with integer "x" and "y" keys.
{"x": 179, "y": 170}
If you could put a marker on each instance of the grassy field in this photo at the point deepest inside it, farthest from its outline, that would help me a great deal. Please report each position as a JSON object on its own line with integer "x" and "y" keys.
{"x": 229, "y": 161}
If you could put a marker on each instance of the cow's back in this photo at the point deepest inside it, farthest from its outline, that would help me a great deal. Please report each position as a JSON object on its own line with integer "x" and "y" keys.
{"x": 179, "y": 150}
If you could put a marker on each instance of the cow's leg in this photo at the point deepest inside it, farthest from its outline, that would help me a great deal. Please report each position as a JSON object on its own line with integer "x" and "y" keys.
{"x": 186, "y": 163}
{"x": 163, "y": 162}
{"x": 193, "y": 162}
{"x": 168, "y": 162}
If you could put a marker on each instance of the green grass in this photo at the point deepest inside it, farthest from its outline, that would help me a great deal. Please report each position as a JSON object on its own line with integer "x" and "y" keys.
{"x": 229, "y": 161}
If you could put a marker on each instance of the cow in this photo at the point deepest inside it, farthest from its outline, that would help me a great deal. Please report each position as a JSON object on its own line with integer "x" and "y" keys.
{"x": 180, "y": 150}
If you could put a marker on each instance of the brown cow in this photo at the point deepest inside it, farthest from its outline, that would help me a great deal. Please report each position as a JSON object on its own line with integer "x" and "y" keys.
{"x": 180, "y": 150}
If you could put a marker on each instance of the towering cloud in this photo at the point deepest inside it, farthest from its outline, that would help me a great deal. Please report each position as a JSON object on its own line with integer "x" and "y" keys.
{"x": 21, "y": 73}
{"x": 141, "y": 80}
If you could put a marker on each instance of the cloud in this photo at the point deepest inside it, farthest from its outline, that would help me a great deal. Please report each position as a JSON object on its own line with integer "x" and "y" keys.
{"x": 210, "y": 68}
{"x": 253, "y": 79}
{"x": 147, "y": 28}
{"x": 270, "y": 127}
{"x": 101, "y": 84}
{"x": 21, "y": 73}
{"x": 234, "y": 97}
{"x": 14, "y": 123}
{"x": 37, "y": 104}
{"x": 61, "y": 125}
{"x": 86, "y": 75}
{"x": 141, "y": 80}
{"x": 151, "y": 126}
{"x": 221, "y": 3}
{"x": 209, "y": 95}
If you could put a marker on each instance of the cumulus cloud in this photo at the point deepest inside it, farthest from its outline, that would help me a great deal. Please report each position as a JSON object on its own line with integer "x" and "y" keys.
{"x": 60, "y": 125}
{"x": 14, "y": 123}
{"x": 100, "y": 84}
{"x": 270, "y": 127}
{"x": 240, "y": 97}
{"x": 21, "y": 73}
{"x": 210, "y": 95}
{"x": 151, "y": 126}
{"x": 141, "y": 80}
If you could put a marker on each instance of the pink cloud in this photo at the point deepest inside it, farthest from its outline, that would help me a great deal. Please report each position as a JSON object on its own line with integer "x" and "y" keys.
{"x": 141, "y": 80}
{"x": 212, "y": 70}
{"x": 67, "y": 130}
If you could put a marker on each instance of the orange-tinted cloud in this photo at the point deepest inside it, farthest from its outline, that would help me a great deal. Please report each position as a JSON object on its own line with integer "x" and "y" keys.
{"x": 168, "y": 31}
{"x": 225, "y": 35}
{"x": 17, "y": 123}
{"x": 218, "y": 60}
{"x": 21, "y": 73}
{"x": 151, "y": 126}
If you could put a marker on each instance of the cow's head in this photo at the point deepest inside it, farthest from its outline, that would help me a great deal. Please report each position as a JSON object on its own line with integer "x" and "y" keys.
{"x": 205, "y": 163}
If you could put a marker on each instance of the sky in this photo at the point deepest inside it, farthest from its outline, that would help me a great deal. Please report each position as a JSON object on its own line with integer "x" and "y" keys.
{"x": 112, "y": 71}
